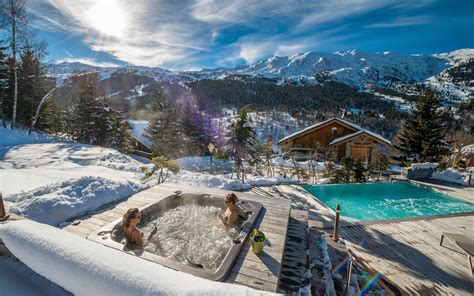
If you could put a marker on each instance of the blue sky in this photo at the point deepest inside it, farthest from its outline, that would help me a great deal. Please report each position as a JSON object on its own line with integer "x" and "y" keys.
{"x": 184, "y": 35}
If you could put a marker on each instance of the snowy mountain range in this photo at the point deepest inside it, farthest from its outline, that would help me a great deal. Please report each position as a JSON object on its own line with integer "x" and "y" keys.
{"x": 359, "y": 69}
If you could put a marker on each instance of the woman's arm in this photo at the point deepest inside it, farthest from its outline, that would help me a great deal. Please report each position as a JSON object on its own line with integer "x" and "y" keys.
{"x": 232, "y": 220}
{"x": 152, "y": 233}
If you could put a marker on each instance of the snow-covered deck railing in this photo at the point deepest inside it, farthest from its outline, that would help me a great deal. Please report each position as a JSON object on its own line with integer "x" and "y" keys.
{"x": 85, "y": 268}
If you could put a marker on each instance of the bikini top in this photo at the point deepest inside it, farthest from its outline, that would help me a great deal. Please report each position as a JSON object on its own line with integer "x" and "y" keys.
{"x": 129, "y": 238}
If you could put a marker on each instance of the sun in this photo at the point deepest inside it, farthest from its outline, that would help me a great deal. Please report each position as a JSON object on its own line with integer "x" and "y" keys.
{"x": 108, "y": 17}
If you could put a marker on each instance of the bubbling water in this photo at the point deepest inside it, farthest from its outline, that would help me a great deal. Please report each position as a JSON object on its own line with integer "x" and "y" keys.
{"x": 191, "y": 233}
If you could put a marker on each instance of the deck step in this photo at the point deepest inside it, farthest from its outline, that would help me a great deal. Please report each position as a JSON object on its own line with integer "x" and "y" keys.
{"x": 321, "y": 279}
{"x": 295, "y": 263}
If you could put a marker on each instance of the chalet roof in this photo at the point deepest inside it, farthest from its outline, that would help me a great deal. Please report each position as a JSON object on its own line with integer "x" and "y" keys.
{"x": 362, "y": 131}
{"x": 320, "y": 124}
{"x": 468, "y": 150}
{"x": 138, "y": 131}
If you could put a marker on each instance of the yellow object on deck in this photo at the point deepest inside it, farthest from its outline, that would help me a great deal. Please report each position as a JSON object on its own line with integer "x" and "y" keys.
{"x": 257, "y": 244}
{"x": 257, "y": 247}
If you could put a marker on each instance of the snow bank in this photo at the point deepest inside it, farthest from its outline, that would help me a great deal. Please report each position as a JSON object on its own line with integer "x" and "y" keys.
{"x": 202, "y": 163}
{"x": 425, "y": 165}
{"x": 288, "y": 163}
{"x": 54, "y": 182}
{"x": 395, "y": 168}
{"x": 225, "y": 182}
{"x": 53, "y": 204}
{"x": 18, "y": 279}
{"x": 452, "y": 176}
{"x": 18, "y": 136}
{"x": 85, "y": 268}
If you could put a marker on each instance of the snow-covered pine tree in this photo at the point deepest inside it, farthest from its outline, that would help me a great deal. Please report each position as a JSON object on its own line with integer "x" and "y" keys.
{"x": 199, "y": 128}
{"x": 165, "y": 130}
{"x": 32, "y": 83}
{"x": 422, "y": 135}
{"x": 90, "y": 125}
{"x": 119, "y": 137}
{"x": 241, "y": 138}
{"x": 51, "y": 118}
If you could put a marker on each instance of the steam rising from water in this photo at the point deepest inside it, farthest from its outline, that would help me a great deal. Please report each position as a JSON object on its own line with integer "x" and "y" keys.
{"x": 192, "y": 233}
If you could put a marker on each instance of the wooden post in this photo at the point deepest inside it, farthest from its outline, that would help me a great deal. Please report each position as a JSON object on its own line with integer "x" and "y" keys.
{"x": 336, "y": 224}
{"x": 469, "y": 179}
{"x": 3, "y": 214}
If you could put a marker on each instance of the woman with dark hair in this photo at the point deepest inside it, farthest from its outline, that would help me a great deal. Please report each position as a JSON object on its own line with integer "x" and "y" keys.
{"x": 231, "y": 216}
{"x": 133, "y": 236}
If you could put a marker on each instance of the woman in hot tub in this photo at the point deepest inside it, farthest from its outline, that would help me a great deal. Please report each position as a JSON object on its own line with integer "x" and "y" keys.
{"x": 231, "y": 214}
{"x": 133, "y": 236}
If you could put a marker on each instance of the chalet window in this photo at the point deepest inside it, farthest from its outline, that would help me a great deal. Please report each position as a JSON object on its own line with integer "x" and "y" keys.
{"x": 334, "y": 130}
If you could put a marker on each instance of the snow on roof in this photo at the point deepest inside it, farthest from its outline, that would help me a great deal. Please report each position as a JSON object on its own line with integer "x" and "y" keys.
{"x": 138, "y": 131}
{"x": 83, "y": 267}
{"x": 362, "y": 131}
{"x": 353, "y": 125}
{"x": 468, "y": 150}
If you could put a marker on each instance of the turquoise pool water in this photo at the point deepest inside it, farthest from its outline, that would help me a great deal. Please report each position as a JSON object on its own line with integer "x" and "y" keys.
{"x": 387, "y": 200}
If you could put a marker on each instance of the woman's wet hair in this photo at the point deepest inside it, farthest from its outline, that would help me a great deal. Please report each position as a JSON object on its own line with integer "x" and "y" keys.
{"x": 232, "y": 198}
{"x": 129, "y": 215}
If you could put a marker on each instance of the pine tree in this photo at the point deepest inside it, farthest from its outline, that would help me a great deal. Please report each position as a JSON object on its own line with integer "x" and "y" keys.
{"x": 165, "y": 130}
{"x": 51, "y": 118}
{"x": 199, "y": 128}
{"x": 91, "y": 122}
{"x": 241, "y": 138}
{"x": 32, "y": 83}
{"x": 422, "y": 135}
{"x": 119, "y": 137}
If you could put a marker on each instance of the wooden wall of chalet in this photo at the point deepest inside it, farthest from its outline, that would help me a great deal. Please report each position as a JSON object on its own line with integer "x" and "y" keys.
{"x": 323, "y": 136}
{"x": 362, "y": 148}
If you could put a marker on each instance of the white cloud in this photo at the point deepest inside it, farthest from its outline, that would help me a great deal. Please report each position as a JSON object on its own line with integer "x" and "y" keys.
{"x": 253, "y": 48}
{"x": 150, "y": 34}
{"x": 402, "y": 22}
{"x": 176, "y": 33}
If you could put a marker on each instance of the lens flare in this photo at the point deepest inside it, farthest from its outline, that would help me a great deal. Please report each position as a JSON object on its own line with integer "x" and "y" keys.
{"x": 370, "y": 283}
{"x": 346, "y": 260}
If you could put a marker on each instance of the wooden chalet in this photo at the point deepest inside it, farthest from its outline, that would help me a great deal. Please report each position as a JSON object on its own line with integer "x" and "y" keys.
{"x": 341, "y": 138}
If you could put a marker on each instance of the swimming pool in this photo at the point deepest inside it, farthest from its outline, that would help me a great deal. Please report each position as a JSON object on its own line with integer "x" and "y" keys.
{"x": 387, "y": 200}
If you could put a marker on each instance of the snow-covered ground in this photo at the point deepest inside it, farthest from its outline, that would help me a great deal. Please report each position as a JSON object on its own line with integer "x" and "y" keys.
{"x": 453, "y": 176}
{"x": 193, "y": 168}
{"x": 52, "y": 181}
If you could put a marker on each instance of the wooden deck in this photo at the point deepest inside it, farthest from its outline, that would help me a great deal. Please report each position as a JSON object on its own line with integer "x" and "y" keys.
{"x": 257, "y": 271}
{"x": 410, "y": 255}
{"x": 408, "y": 251}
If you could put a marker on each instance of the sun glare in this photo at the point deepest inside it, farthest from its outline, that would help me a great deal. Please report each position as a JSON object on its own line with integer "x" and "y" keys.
{"x": 108, "y": 17}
